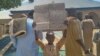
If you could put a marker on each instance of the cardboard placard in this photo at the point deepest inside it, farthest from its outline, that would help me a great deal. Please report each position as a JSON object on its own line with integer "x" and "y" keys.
{"x": 1, "y": 30}
{"x": 3, "y": 26}
{"x": 19, "y": 25}
{"x": 50, "y": 16}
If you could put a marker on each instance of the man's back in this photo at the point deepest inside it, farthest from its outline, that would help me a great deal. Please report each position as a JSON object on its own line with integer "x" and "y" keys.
{"x": 73, "y": 34}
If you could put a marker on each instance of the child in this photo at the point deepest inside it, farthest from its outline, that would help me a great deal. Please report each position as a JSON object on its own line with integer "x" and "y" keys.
{"x": 50, "y": 49}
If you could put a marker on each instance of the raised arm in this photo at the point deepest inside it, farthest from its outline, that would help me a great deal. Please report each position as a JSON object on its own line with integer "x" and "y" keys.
{"x": 13, "y": 40}
{"x": 12, "y": 36}
{"x": 19, "y": 34}
{"x": 62, "y": 40}
{"x": 38, "y": 41}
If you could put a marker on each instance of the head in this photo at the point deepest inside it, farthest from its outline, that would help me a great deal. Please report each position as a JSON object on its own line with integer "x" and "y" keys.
{"x": 72, "y": 18}
{"x": 72, "y": 12}
{"x": 66, "y": 22}
{"x": 50, "y": 37}
{"x": 80, "y": 16}
{"x": 30, "y": 14}
{"x": 93, "y": 15}
{"x": 87, "y": 17}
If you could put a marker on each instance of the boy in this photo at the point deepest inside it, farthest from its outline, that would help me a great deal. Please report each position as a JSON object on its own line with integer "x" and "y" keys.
{"x": 50, "y": 49}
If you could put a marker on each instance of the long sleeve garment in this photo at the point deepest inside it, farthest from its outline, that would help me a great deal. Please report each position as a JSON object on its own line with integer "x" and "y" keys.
{"x": 74, "y": 33}
{"x": 25, "y": 44}
{"x": 88, "y": 26}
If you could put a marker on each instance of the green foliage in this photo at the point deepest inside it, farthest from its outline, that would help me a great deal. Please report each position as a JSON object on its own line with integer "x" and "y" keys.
{"x": 31, "y": 1}
{"x": 7, "y": 4}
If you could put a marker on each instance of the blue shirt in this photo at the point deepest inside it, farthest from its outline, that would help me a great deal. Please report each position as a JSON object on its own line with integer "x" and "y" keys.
{"x": 25, "y": 44}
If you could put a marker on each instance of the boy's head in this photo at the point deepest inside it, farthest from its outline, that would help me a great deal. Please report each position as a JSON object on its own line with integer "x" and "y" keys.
{"x": 50, "y": 37}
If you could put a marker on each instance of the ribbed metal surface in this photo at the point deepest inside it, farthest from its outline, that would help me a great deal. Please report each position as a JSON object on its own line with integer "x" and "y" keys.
{"x": 71, "y": 3}
{"x": 68, "y": 4}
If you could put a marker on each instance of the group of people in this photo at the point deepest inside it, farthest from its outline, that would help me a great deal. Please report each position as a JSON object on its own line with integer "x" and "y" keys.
{"x": 77, "y": 38}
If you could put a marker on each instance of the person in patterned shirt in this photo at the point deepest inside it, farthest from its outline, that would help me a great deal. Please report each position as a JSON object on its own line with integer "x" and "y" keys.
{"x": 88, "y": 26}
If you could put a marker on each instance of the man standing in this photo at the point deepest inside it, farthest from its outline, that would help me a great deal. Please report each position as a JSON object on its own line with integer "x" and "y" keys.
{"x": 87, "y": 26}
{"x": 25, "y": 44}
{"x": 74, "y": 33}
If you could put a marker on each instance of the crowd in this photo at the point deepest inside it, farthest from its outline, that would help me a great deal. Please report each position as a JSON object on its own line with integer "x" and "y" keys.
{"x": 77, "y": 38}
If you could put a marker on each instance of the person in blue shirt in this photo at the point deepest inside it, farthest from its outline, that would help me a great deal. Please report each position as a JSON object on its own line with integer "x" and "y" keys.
{"x": 25, "y": 44}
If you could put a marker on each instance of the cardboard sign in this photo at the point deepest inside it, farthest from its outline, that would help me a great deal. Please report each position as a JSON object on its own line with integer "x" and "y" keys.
{"x": 4, "y": 30}
{"x": 50, "y": 16}
{"x": 19, "y": 25}
{"x": 1, "y": 30}
{"x": 3, "y": 26}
